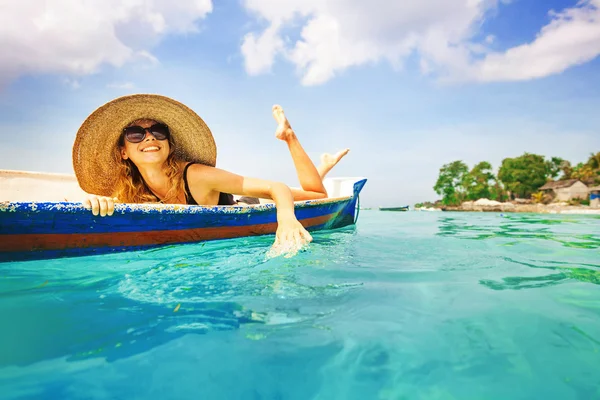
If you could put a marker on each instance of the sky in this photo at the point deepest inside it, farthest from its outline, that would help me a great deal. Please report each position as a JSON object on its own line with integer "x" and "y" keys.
{"x": 408, "y": 86}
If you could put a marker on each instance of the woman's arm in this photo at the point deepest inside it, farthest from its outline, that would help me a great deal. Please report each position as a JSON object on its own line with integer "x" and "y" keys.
{"x": 289, "y": 229}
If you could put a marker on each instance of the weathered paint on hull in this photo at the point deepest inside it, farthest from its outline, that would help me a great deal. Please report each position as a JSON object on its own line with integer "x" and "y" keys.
{"x": 52, "y": 230}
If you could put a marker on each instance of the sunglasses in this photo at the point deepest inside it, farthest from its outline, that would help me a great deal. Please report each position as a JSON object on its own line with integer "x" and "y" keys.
{"x": 136, "y": 134}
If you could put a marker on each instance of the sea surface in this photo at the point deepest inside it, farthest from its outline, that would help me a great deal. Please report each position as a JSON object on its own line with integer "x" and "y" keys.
{"x": 406, "y": 305}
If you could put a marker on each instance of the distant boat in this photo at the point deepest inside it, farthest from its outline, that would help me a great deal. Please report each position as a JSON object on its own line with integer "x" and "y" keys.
{"x": 403, "y": 208}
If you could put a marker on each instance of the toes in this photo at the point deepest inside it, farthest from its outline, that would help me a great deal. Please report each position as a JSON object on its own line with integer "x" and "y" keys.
{"x": 341, "y": 154}
{"x": 277, "y": 111}
{"x": 329, "y": 159}
{"x": 279, "y": 115}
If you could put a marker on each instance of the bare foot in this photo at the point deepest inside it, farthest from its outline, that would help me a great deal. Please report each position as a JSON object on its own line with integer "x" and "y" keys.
{"x": 284, "y": 130}
{"x": 329, "y": 161}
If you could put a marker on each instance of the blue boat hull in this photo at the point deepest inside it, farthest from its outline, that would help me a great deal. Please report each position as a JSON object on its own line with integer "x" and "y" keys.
{"x": 52, "y": 230}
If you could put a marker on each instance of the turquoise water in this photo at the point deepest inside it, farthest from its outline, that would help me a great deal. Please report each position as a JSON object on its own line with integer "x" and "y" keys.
{"x": 404, "y": 306}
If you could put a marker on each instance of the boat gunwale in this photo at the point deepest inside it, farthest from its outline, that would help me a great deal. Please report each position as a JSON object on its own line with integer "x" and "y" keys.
{"x": 158, "y": 208}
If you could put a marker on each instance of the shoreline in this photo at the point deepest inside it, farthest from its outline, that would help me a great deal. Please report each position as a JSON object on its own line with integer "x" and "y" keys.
{"x": 484, "y": 205}
{"x": 532, "y": 210}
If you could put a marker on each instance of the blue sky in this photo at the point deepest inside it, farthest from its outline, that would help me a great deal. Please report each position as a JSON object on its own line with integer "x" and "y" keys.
{"x": 407, "y": 86}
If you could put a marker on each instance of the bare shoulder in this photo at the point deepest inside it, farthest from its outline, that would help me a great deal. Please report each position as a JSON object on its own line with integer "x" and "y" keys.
{"x": 195, "y": 168}
{"x": 206, "y": 174}
{"x": 200, "y": 173}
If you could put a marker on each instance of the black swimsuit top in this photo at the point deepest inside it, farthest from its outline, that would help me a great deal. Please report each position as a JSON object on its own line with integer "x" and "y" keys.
{"x": 225, "y": 199}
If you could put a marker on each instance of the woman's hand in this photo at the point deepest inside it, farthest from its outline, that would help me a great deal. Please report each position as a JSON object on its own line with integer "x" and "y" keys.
{"x": 291, "y": 231}
{"x": 290, "y": 237}
{"x": 100, "y": 204}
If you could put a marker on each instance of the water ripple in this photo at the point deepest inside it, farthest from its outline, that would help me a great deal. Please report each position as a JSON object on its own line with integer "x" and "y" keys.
{"x": 557, "y": 229}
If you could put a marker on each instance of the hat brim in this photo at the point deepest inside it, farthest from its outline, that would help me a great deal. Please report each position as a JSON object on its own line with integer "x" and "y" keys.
{"x": 93, "y": 150}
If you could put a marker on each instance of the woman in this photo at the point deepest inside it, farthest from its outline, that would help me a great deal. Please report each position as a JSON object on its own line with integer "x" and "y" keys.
{"x": 150, "y": 148}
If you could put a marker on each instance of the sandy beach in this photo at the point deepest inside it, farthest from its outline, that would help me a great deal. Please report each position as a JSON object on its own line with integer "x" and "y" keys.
{"x": 38, "y": 186}
{"x": 485, "y": 205}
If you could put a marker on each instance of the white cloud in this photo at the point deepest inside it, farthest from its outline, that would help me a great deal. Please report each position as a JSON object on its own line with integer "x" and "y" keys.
{"x": 571, "y": 38}
{"x": 147, "y": 57}
{"x": 337, "y": 34}
{"x": 77, "y": 37}
{"x": 259, "y": 51}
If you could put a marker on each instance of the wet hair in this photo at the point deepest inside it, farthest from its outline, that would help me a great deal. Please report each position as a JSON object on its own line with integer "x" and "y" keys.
{"x": 130, "y": 186}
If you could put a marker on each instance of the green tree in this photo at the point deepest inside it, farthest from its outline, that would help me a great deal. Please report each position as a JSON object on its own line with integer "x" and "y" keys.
{"x": 479, "y": 180}
{"x": 451, "y": 183}
{"x": 558, "y": 166}
{"x": 497, "y": 192}
{"x": 594, "y": 161}
{"x": 590, "y": 171}
{"x": 522, "y": 176}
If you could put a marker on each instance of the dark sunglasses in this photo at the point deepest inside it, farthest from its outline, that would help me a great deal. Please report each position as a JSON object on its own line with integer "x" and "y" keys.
{"x": 136, "y": 134}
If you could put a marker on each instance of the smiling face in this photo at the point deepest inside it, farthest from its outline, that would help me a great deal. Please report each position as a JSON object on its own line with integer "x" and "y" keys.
{"x": 149, "y": 151}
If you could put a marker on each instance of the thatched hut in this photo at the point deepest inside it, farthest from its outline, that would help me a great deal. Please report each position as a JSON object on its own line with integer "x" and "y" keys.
{"x": 566, "y": 190}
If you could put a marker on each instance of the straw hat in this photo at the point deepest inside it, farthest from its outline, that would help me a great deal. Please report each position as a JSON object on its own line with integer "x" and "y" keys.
{"x": 97, "y": 137}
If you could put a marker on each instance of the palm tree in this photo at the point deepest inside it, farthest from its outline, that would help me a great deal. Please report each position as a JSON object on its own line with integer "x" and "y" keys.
{"x": 594, "y": 161}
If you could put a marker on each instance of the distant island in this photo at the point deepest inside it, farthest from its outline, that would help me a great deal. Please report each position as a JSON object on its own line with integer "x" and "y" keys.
{"x": 529, "y": 183}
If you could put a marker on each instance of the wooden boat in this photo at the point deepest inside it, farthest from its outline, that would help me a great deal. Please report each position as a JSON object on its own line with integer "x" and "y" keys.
{"x": 402, "y": 208}
{"x": 42, "y": 230}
